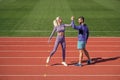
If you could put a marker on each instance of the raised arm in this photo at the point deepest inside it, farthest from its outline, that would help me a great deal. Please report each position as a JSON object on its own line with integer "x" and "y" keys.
{"x": 54, "y": 29}
{"x": 74, "y": 26}
{"x": 67, "y": 25}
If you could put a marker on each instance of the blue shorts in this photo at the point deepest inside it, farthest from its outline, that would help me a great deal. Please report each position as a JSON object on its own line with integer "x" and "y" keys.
{"x": 81, "y": 44}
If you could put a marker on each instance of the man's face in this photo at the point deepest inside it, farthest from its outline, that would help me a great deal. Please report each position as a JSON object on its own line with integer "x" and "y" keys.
{"x": 80, "y": 20}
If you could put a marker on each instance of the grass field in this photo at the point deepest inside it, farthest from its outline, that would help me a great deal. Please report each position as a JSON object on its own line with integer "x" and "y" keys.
{"x": 33, "y": 18}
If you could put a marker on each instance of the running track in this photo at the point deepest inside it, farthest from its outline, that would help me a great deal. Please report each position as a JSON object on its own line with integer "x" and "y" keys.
{"x": 24, "y": 59}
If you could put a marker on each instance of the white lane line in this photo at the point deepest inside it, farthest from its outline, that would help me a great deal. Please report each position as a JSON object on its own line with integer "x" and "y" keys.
{"x": 22, "y": 45}
{"x": 56, "y": 65}
{"x": 51, "y": 31}
{"x": 62, "y": 75}
{"x": 83, "y": 75}
{"x": 66, "y": 37}
{"x": 57, "y": 57}
{"x": 47, "y": 51}
{"x": 34, "y": 41}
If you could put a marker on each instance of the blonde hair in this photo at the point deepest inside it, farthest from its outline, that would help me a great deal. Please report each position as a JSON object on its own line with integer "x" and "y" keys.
{"x": 55, "y": 23}
{"x": 57, "y": 18}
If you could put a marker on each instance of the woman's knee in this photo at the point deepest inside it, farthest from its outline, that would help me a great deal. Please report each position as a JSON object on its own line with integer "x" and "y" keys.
{"x": 54, "y": 50}
{"x": 64, "y": 46}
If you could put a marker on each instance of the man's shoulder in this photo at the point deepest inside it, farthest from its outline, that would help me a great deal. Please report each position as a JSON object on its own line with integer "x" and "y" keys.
{"x": 85, "y": 25}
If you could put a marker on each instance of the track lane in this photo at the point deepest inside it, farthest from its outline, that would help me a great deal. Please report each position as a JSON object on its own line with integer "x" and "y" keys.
{"x": 106, "y": 67}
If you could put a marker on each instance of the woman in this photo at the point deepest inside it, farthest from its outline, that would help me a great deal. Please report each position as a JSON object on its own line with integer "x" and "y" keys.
{"x": 60, "y": 39}
{"x": 83, "y": 34}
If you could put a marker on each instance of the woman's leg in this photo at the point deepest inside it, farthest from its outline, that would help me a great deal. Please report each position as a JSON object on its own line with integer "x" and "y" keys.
{"x": 63, "y": 44}
{"x": 54, "y": 50}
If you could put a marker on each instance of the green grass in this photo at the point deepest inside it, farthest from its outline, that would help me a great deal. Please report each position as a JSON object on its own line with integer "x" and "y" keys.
{"x": 34, "y": 17}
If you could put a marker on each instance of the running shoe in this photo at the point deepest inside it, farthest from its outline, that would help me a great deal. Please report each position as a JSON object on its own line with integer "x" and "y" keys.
{"x": 48, "y": 60}
{"x": 64, "y": 63}
{"x": 78, "y": 64}
{"x": 89, "y": 62}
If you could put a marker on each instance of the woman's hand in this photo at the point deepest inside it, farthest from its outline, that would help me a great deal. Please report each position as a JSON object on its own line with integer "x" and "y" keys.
{"x": 49, "y": 40}
{"x": 72, "y": 18}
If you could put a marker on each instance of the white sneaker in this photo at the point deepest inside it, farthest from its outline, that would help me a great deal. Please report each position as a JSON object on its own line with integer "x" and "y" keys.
{"x": 64, "y": 63}
{"x": 48, "y": 60}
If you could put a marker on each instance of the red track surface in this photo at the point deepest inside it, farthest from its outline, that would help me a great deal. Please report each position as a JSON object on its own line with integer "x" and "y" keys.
{"x": 24, "y": 59}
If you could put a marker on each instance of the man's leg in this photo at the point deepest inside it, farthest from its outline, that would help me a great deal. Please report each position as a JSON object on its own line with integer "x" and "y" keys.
{"x": 80, "y": 56}
{"x": 87, "y": 55}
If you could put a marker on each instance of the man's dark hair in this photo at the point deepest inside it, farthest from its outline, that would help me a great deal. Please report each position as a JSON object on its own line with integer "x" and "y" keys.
{"x": 82, "y": 18}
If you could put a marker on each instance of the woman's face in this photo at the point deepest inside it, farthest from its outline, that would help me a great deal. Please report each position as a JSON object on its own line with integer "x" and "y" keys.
{"x": 59, "y": 20}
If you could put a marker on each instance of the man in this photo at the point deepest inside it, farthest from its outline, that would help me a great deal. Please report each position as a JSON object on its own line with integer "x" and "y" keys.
{"x": 83, "y": 34}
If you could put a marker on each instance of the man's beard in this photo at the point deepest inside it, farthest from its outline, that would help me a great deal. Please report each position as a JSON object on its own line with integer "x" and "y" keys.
{"x": 81, "y": 23}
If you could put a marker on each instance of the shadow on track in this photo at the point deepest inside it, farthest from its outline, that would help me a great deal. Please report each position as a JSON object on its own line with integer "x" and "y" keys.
{"x": 96, "y": 60}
